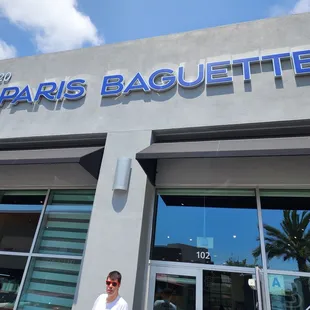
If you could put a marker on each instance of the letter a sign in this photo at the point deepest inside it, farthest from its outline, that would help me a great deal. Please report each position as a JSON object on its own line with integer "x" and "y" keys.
{"x": 276, "y": 285}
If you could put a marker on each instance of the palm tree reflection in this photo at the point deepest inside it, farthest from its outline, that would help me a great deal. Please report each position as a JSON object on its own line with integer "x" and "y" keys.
{"x": 290, "y": 243}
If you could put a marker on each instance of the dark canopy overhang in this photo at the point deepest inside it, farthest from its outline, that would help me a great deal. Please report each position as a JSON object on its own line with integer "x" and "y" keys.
{"x": 88, "y": 157}
{"x": 292, "y": 146}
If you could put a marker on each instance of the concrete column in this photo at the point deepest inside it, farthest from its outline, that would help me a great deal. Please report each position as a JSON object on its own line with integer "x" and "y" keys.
{"x": 115, "y": 238}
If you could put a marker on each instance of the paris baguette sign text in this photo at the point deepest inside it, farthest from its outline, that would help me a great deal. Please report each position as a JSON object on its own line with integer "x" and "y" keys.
{"x": 211, "y": 73}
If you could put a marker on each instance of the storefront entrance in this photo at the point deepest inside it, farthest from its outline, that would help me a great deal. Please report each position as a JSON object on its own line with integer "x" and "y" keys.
{"x": 231, "y": 249}
{"x": 189, "y": 288}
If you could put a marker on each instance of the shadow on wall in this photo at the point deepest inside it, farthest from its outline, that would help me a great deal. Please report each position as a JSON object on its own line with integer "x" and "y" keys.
{"x": 137, "y": 96}
{"x": 119, "y": 200}
{"x": 48, "y": 105}
{"x": 218, "y": 90}
{"x": 302, "y": 81}
{"x": 268, "y": 67}
{"x": 191, "y": 93}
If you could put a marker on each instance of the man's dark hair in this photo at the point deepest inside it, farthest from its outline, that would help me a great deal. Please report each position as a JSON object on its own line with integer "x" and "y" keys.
{"x": 115, "y": 275}
{"x": 167, "y": 291}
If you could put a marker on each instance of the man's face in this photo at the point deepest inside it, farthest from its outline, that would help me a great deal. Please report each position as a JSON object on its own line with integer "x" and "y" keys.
{"x": 112, "y": 287}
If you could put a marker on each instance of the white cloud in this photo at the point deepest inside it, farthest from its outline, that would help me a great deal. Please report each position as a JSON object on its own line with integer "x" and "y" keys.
{"x": 302, "y": 6}
{"x": 6, "y": 50}
{"x": 278, "y": 10}
{"x": 290, "y": 7}
{"x": 56, "y": 25}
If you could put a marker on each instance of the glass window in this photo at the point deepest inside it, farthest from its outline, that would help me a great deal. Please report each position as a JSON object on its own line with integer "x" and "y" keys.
{"x": 11, "y": 272}
{"x": 289, "y": 292}
{"x": 286, "y": 217}
{"x": 227, "y": 290}
{"x": 207, "y": 226}
{"x": 65, "y": 223}
{"x": 50, "y": 284}
{"x": 175, "y": 292}
{"x": 19, "y": 209}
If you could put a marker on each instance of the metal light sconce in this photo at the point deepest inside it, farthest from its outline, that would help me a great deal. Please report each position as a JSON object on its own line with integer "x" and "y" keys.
{"x": 122, "y": 174}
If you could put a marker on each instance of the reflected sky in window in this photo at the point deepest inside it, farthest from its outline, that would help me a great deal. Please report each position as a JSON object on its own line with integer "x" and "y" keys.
{"x": 286, "y": 216}
{"x": 225, "y": 226}
{"x": 228, "y": 232}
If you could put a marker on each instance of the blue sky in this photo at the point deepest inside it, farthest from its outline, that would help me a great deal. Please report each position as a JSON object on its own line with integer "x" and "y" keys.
{"x": 31, "y": 27}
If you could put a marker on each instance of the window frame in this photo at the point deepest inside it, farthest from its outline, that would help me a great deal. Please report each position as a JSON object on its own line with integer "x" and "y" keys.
{"x": 31, "y": 254}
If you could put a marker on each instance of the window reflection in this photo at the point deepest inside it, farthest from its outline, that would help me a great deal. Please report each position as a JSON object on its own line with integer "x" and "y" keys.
{"x": 286, "y": 216}
{"x": 19, "y": 209}
{"x": 207, "y": 226}
{"x": 50, "y": 284}
{"x": 65, "y": 222}
{"x": 226, "y": 290}
{"x": 11, "y": 272}
{"x": 289, "y": 292}
{"x": 175, "y": 292}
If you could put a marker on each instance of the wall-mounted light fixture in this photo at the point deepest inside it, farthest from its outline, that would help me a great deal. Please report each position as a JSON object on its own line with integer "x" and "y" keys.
{"x": 122, "y": 174}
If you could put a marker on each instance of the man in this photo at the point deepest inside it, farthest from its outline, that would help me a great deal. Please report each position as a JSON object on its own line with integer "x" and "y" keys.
{"x": 165, "y": 303}
{"x": 111, "y": 300}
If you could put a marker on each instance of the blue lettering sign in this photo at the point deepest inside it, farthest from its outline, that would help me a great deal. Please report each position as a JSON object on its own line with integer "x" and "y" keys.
{"x": 75, "y": 89}
{"x": 137, "y": 84}
{"x": 112, "y": 85}
{"x": 245, "y": 62}
{"x": 8, "y": 94}
{"x": 276, "y": 283}
{"x": 213, "y": 73}
{"x": 23, "y": 96}
{"x": 46, "y": 90}
{"x": 276, "y": 61}
{"x": 217, "y": 73}
{"x": 196, "y": 83}
{"x": 167, "y": 80}
{"x": 61, "y": 88}
{"x": 163, "y": 79}
{"x": 301, "y": 62}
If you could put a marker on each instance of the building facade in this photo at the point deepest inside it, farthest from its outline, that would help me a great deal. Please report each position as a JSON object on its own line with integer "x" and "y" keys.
{"x": 180, "y": 161}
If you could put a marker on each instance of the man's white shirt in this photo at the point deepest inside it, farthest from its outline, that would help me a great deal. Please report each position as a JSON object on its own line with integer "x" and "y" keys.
{"x": 118, "y": 304}
{"x": 165, "y": 305}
